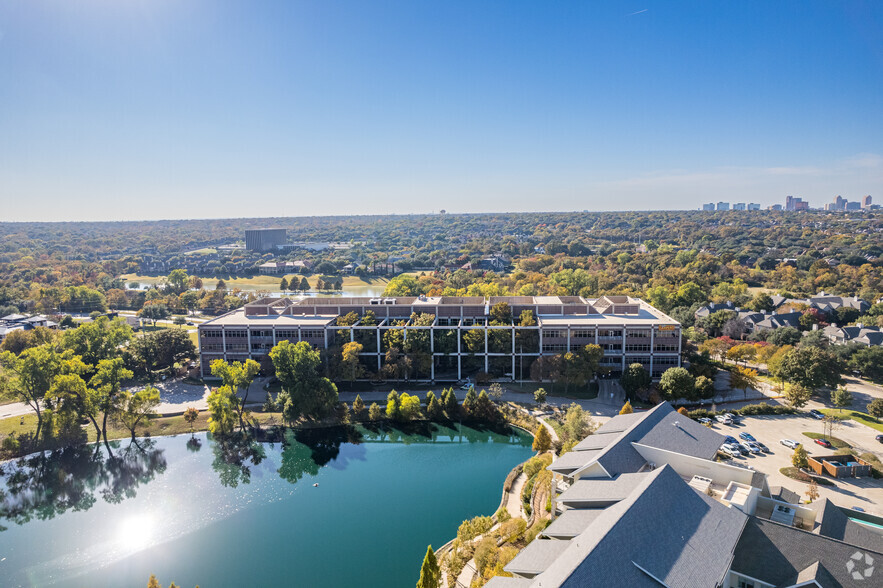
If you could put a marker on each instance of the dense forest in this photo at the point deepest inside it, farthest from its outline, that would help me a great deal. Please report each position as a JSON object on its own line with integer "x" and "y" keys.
{"x": 675, "y": 259}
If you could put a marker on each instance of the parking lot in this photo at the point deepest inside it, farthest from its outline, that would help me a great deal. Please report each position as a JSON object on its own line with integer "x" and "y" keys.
{"x": 866, "y": 493}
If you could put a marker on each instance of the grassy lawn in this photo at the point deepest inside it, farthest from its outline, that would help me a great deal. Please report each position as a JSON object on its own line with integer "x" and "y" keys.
{"x": 854, "y": 415}
{"x": 170, "y": 425}
{"x": 837, "y": 443}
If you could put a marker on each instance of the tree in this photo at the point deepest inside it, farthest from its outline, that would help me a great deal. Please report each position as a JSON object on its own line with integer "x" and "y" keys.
{"x": 812, "y": 493}
{"x": 100, "y": 339}
{"x": 430, "y": 574}
{"x": 154, "y": 312}
{"x": 434, "y": 409}
{"x": 190, "y": 416}
{"x": 743, "y": 378}
{"x": 811, "y": 368}
{"x": 283, "y": 285}
{"x": 715, "y": 347}
{"x": 634, "y": 379}
{"x": 409, "y": 407}
{"x": 133, "y": 408}
{"x": 868, "y": 361}
{"x": 375, "y": 413}
{"x": 841, "y": 397}
{"x": 542, "y": 441}
{"x": 298, "y": 368}
{"x": 161, "y": 350}
{"x": 107, "y": 381}
{"x": 450, "y": 404}
{"x": 742, "y": 353}
{"x": 626, "y": 408}
{"x": 784, "y": 336}
{"x": 704, "y": 387}
{"x": 178, "y": 280}
{"x": 496, "y": 390}
{"x": 469, "y": 403}
{"x": 539, "y": 396}
{"x": 677, "y": 383}
{"x": 222, "y": 411}
{"x": 28, "y": 377}
{"x": 393, "y": 406}
{"x": 797, "y": 395}
{"x": 349, "y": 361}
{"x": 237, "y": 376}
{"x": 875, "y": 408}
{"x": 799, "y": 458}
{"x": 358, "y": 408}
{"x": 576, "y": 423}
{"x": 304, "y": 285}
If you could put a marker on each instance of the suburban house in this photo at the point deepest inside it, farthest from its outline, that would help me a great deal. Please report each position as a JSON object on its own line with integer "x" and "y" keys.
{"x": 641, "y": 502}
{"x": 23, "y": 322}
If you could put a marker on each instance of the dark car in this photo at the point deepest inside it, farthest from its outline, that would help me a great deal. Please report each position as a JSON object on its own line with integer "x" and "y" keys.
{"x": 731, "y": 439}
{"x": 816, "y": 414}
{"x": 824, "y": 443}
{"x": 747, "y": 436}
{"x": 879, "y": 438}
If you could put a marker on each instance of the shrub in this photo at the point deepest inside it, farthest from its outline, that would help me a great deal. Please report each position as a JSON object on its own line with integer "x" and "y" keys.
{"x": 535, "y": 530}
{"x": 472, "y": 528}
{"x": 485, "y": 554}
{"x": 875, "y": 408}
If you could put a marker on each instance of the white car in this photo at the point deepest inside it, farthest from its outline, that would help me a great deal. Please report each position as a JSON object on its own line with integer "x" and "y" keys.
{"x": 726, "y": 449}
{"x": 789, "y": 443}
{"x": 705, "y": 421}
{"x": 723, "y": 419}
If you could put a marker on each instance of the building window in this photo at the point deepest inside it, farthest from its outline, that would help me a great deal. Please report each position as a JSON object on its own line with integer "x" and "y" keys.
{"x": 582, "y": 334}
{"x": 286, "y": 334}
{"x": 553, "y": 334}
{"x": 237, "y": 334}
{"x": 637, "y": 347}
{"x": 554, "y": 347}
{"x": 313, "y": 334}
{"x": 212, "y": 334}
{"x": 610, "y": 333}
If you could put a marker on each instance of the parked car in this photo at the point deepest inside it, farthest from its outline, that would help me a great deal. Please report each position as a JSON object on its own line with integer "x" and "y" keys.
{"x": 753, "y": 447}
{"x": 790, "y": 443}
{"x": 816, "y": 414}
{"x": 705, "y": 421}
{"x": 745, "y": 448}
{"x": 731, "y": 439}
{"x": 733, "y": 417}
{"x": 747, "y": 436}
{"x": 825, "y": 443}
{"x": 763, "y": 447}
{"x": 726, "y": 449}
{"x": 723, "y": 419}
{"x": 879, "y": 438}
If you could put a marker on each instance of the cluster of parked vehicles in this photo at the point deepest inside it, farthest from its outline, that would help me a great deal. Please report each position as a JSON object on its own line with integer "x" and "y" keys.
{"x": 745, "y": 445}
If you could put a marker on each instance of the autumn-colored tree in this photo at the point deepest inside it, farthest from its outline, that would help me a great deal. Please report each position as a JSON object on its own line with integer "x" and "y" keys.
{"x": 542, "y": 441}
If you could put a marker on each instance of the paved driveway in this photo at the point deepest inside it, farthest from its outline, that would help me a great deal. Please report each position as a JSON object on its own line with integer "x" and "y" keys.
{"x": 866, "y": 493}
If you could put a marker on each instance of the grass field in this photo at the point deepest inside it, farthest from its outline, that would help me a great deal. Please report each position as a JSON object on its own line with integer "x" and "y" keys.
{"x": 860, "y": 417}
{"x": 837, "y": 443}
{"x": 350, "y": 283}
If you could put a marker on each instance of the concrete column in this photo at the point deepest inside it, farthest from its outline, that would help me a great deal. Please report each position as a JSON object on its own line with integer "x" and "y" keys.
{"x": 459, "y": 362}
{"x": 680, "y": 342}
{"x": 378, "y": 348}
{"x": 248, "y": 340}
{"x": 224, "y": 342}
{"x": 512, "y": 336}
{"x": 652, "y": 348}
{"x": 568, "y": 338}
{"x": 623, "y": 349}
{"x": 486, "y": 329}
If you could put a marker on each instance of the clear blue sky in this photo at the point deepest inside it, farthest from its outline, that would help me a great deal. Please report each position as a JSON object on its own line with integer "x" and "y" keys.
{"x": 132, "y": 109}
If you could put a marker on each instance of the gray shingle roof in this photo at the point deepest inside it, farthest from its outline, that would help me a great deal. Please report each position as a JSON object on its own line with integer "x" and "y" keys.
{"x": 536, "y": 557}
{"x": 687, "y": 437}
{"x": 601, "y": 491}
{"x": 778, "y": 554}
{"x": 684, "y": 546}
{"x": 834, "y": 523}
{"x": 572, "y": 460}
{"x": 572, "y": 522}
{"x": 597, "y": 440}
{"x": 502, "y": 582}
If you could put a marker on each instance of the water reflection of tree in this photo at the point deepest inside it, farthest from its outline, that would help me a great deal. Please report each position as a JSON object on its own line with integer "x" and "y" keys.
{"x": 234, "y": 458}
{"x": 46, "y": 485}
{"x": 307, "y": 450}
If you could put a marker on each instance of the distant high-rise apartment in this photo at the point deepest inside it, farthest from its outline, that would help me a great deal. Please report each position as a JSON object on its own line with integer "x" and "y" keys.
{"x": 866, "y": 201}
{"x": 264, "y": 239}
{"x": 853, "y": 205}
{"x": 739, "y": 206}
{"x": 708, "y": 207}
{"x": 723, "y": 206}
{"x": 777, "y": 207}
{"x": 753, "y": 206}
{"x": 793, "y": 203}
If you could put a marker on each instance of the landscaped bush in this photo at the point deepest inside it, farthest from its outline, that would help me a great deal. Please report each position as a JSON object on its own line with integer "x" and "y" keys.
{"x": 761, "y": 408}
{"x": 474, "y": 527}
{"x": 535, "y": 530}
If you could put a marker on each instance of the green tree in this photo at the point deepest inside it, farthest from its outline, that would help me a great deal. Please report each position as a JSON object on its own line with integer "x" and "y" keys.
{"x": 539, "y": 396}
{"x": 28, "y": 377}
{"x": 178, "y": 280}
{"x": 542, "y": 441}
{"x": 797, "y": 395}
{"x": 704, "y": 387}
{"x": 393, "y": 406}
{"x": 875, "y": 408}
{"x": 154, "y": 312}
{"x": 635, "y": 379}
{"x": 470, "y": 402}
{"x": 283, "y": 285}
{"x": 434, "y": 409}
{"x": 868, "y": 361}
{"x": 375, "y": 413}
{"x": 100, "y": 339}
{"x": 451, "y": 406}
{"x": 430, "y": 573}
{"x": 409, "y": 406}
{"x": 298, "y": 368}
{"x": 799, "y": 458}
{"x": 677, "y": 383}
{"x": 133, "y": 408}
{"x": 161, "y": 350}
{"x": 811, "y": 368}
{"x": 304, "y": 285}
{"x": 107, "y": 383}
{"x": 743, "y": 378}
{"x": 841, "y": 397}
{"x": 237, "y": 376}
{"x": 358, "y": 408}
{"x": 222, "y": 411}
{"x": 349, "y": 361}
{"x": 576, "y": 423}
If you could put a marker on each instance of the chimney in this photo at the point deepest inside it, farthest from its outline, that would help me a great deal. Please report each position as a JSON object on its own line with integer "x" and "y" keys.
{"x": 815, "y": 327}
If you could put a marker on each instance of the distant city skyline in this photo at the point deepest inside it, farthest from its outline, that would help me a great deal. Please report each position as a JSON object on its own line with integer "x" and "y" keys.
{"x": 165, "y": 109}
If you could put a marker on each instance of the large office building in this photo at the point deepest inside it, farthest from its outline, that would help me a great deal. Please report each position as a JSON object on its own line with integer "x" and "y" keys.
{"x": 265, "y": 239}
{"x": 458, "y": 336}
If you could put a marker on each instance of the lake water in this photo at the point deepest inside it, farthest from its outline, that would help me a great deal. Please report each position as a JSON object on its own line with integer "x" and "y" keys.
{"x": 194, "y": 511}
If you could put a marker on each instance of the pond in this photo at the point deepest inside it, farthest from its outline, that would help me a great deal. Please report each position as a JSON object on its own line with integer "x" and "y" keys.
{"x": 195, "y": 511}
